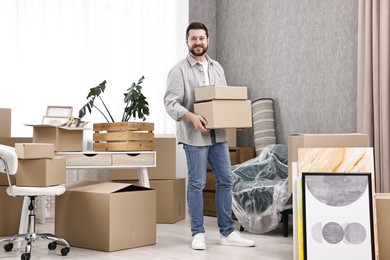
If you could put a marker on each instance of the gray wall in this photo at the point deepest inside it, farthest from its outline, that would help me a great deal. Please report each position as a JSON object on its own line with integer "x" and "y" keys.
{"x": 301, "y": 53}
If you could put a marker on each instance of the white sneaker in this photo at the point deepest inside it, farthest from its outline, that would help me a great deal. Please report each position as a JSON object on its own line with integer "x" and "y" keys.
{"x": 198, "y": 242}
{"x": 235, "y": 239}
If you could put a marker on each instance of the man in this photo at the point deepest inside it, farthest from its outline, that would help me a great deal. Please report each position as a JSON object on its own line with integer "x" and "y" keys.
{"x": 200, "y": 144}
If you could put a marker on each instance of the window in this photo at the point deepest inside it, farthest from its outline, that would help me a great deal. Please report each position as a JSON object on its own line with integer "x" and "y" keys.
{"x": 52, "y": 52}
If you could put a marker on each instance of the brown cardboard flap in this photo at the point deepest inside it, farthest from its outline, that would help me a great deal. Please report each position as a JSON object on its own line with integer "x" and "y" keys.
{"x": 106, "y": 187}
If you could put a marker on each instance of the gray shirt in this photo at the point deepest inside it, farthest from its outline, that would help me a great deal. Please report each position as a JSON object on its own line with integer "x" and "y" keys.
{"x": 179, "y": 98}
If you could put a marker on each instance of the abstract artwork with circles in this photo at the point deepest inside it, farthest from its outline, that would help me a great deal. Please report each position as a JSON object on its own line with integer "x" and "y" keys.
{"x": 338, "y": 216}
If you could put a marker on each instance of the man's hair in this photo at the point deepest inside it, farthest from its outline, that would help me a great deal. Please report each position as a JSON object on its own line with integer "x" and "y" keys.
{"x": 196, "y": 25}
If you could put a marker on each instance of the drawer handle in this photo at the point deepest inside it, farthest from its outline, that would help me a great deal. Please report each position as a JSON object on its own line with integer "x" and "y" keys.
{"x": 133, "y": 154}
{"x": 90, "y": 154}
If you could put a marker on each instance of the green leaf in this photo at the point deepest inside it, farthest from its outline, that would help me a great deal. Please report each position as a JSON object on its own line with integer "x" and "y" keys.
{"x": 136, "y": 105}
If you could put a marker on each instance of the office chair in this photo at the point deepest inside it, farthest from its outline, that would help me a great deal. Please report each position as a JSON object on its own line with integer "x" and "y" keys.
{"x": 9, "y": 166}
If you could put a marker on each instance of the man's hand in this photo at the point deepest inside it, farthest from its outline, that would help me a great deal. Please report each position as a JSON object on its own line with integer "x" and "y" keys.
{"x": 197, "y": 120}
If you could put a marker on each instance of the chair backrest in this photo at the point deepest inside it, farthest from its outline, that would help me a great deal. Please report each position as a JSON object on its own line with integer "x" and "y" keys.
{"x": 8, "y": 160}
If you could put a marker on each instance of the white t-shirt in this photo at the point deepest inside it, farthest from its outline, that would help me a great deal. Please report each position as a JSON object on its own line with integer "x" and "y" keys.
{"x": 205, "y": 65}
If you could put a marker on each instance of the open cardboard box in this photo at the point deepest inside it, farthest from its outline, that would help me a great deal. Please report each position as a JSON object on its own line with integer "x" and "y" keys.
{"x": 65, "y": 139}
{"x": 106, "y": 216}
{"x": 171, "y": 203}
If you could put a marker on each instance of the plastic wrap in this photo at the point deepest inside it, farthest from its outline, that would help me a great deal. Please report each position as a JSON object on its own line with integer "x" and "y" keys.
{"x": 260, "y": 189}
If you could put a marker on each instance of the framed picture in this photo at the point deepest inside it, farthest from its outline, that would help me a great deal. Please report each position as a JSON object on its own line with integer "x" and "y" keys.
{"x": 338, "y": 216}
{"x": 54, "y": 120}
{"x": 59, "y": 111}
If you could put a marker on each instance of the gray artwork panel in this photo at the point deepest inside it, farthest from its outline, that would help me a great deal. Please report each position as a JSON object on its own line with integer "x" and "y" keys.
{"x": 337, "y": 191}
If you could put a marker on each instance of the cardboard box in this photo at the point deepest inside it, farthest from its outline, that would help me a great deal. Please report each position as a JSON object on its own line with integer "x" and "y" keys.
{"x": 65, "y": 139}
{"x": 171, "y": 203}
{"x": 5, "y": 122}
{"x": 10, "y": 141}
{"x": 225, "y": 113}
{"x": 10, "y": 208}
{"x": 106, "y": 216}
{"x": 209, "y": 205}
{"x": 232, "y": 137}
{"x": 165, "y": 147}
{"x": 206, "y": 93}
{"x": 171, "y": 199}
{"x": 41, "y": 172}
{"x": 382, "y": 201}
{"x": 34, "y": 150}
{"x": 321, "y": 141}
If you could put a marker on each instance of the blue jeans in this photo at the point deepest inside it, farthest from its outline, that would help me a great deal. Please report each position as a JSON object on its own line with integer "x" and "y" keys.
{"x": 217, "y": 154}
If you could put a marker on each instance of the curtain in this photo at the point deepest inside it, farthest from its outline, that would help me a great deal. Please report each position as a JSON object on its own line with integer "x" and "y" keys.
{"x": 373, "y": 98}
{"x": 53, "y": 51}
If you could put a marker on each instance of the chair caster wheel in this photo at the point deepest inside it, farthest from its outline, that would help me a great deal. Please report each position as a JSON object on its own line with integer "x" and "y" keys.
{"x": 52, "y": 245}
{"x": 25, "y": 256}
{"x": 65, "y": 251}
{"x": 8, "y": 247}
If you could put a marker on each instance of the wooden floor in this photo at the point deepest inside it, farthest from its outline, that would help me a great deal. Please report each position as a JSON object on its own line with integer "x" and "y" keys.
{"x": 173, "y": 242}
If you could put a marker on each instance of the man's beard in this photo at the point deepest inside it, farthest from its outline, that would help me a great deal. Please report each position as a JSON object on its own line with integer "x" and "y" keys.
{"x": 194, "y": 53}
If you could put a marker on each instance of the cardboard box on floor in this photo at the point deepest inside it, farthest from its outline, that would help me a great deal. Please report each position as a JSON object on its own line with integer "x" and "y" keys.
{"x": 5, "y": 119}
{"x": 41, "y": 172}
{"x": 206, "y": 93}
{"x": 106, "y": 216}
{"x": 65, "y": 139}
{"x": 34, "y": 150}
{"x": 382, "y": 201}
{"x": 296, "y": 141}
{"x": 10, "y": 208}
{"x": 10, "y": 141}
{"x": 165, "y": 147}
{"x": 225, "y": 113}
{"x": 171, "y": 203}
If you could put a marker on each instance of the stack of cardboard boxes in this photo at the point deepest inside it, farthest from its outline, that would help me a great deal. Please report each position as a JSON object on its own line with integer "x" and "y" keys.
{"x": 10, "y": 207}
{"x": 38, "y": 166}
{"x": 223, "y": 106}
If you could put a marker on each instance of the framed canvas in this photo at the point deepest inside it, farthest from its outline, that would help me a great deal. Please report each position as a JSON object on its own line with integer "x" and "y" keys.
{"x": 59, "y": 111}
{"x": 338, "y": 216}
{"x": 54, "y": 120}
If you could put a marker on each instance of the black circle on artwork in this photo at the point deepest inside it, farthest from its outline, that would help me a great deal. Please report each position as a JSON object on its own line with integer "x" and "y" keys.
{"x": 337, "y": 190}
{"x": 333, "y": 233}
{"x": 355, "y": 233}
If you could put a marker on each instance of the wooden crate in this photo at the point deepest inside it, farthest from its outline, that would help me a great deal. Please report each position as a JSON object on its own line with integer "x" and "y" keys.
{"x": 123, "y": 136}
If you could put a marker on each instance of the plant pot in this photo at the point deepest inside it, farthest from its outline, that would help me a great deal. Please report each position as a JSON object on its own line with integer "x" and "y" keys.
{"x": 123, "y": 136}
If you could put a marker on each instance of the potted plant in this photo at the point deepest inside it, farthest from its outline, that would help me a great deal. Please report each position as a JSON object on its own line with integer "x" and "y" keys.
{"x": 136, "y": 105}
{"x": 123, "y": 135}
